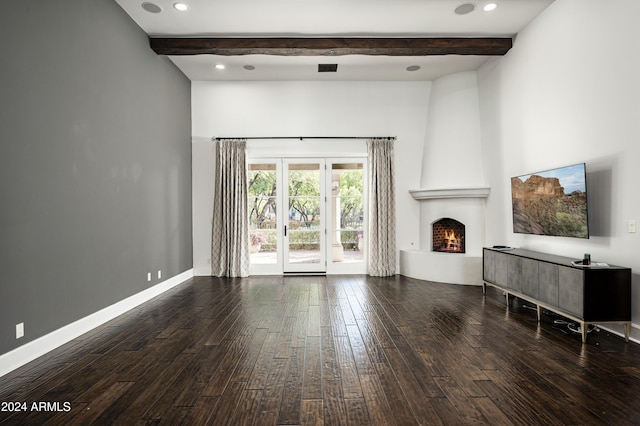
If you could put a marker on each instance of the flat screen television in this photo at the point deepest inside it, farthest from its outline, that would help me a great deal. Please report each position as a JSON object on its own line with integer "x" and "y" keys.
{"x": 552, "y": 202}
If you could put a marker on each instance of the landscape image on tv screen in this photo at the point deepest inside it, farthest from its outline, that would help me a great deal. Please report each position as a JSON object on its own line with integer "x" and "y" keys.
{"x": 553, "y": 202}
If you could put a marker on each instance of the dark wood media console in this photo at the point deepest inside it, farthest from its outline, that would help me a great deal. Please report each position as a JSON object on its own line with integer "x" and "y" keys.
{"x": 586, "y": 295}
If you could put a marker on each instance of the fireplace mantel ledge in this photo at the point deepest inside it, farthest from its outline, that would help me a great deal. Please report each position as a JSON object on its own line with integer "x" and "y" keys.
{"x": 432, "y": 194}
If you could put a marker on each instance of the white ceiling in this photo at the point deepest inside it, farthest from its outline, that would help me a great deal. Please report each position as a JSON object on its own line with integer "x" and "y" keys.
{"x": 330, "y": 18}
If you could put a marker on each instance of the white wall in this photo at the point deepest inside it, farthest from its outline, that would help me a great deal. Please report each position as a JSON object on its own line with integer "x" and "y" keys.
{"x": 236, "y": 109}
{"x": 568, "y": 92}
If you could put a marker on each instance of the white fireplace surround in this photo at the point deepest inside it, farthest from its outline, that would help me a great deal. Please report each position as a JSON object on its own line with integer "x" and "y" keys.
{"x": 452, "y": 183}
{"x": 465, "y": 205}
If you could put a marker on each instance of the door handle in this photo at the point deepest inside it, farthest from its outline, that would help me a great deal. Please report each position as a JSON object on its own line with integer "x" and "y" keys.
{"x": 285, "y": 230}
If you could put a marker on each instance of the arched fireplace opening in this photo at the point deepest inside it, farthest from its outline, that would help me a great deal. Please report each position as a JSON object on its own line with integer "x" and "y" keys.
{"x": 448, "y": 236}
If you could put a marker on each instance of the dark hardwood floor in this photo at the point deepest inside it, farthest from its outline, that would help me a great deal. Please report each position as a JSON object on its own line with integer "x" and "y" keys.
{"x": 335, "y": 350}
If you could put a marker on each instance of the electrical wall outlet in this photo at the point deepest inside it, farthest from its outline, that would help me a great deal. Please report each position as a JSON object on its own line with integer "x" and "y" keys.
{"x": 632, "y": 226}
{"x": 159, "y": 274}
{"x": 149, "y": 276}
{"x": 19, "y": 330}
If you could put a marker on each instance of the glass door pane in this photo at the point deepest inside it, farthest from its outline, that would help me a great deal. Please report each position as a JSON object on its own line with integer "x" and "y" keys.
{"x": 262, "y": 185}
{"x": 347, "y": 216}
{"x": 305, "y": 231}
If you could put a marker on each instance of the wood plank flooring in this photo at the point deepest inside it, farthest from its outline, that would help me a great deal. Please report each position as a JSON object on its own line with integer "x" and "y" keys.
{"x": 335, "y": 350}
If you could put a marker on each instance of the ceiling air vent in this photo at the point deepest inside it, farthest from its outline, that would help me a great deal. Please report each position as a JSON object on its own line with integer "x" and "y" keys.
{"x": 327, "y": 67}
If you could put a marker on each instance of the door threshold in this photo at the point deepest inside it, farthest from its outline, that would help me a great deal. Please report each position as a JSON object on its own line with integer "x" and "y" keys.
{"x": 305, "y": 273}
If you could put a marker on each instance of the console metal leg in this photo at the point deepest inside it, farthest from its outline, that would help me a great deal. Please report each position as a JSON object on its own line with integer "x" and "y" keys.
{"x": 627, "y": 331}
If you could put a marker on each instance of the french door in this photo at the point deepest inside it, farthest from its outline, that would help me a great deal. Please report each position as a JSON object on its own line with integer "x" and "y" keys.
{"x": 307, "y": 215}
{"x": 304, "y": 229}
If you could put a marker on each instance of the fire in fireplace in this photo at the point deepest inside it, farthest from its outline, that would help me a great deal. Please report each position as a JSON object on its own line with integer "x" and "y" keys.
{"x": 448, "y": 236}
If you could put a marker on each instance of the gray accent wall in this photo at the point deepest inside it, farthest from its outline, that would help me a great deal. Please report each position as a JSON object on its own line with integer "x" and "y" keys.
{"x": 95, "y": 164}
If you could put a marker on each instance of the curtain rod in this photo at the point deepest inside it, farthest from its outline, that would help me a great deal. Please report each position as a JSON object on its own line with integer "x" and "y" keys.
{"x": 310, "y": 137}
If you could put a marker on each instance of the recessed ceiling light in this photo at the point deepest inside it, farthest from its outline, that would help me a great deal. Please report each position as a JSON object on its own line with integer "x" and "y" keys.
{"x": 465, "y": 8}
{"x": 413, "y": 68}
{"x": 489, "y": 7}
{"x": 182, "y": 7}
{"x": 219, "y": 66}
{"x": 249, "y": 67}
{"x": 151, "y": 7}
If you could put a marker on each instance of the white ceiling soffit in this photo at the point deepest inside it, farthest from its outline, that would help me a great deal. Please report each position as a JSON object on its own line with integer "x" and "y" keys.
{"x": 330, "y": 18}
{"x": 350, "y": 68}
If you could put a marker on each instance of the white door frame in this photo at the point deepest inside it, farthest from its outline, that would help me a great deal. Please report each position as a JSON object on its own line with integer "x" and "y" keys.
{"x": 321, "y": 265}
{"x": 272, "y": 268}
{"x": 340, "y": 267}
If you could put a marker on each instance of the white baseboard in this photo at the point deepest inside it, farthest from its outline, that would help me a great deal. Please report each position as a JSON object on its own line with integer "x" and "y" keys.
{"x": 36, "y": 348}
{"x": 632, "y": 337}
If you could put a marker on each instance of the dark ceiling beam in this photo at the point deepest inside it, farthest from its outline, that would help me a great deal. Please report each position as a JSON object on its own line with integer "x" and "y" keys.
{"x": 331, "y": 46}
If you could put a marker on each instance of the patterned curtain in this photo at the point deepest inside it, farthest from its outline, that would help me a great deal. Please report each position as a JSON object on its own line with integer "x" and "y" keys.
{"x": 382, "y": 217}
{"x": 230, "y": 230}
